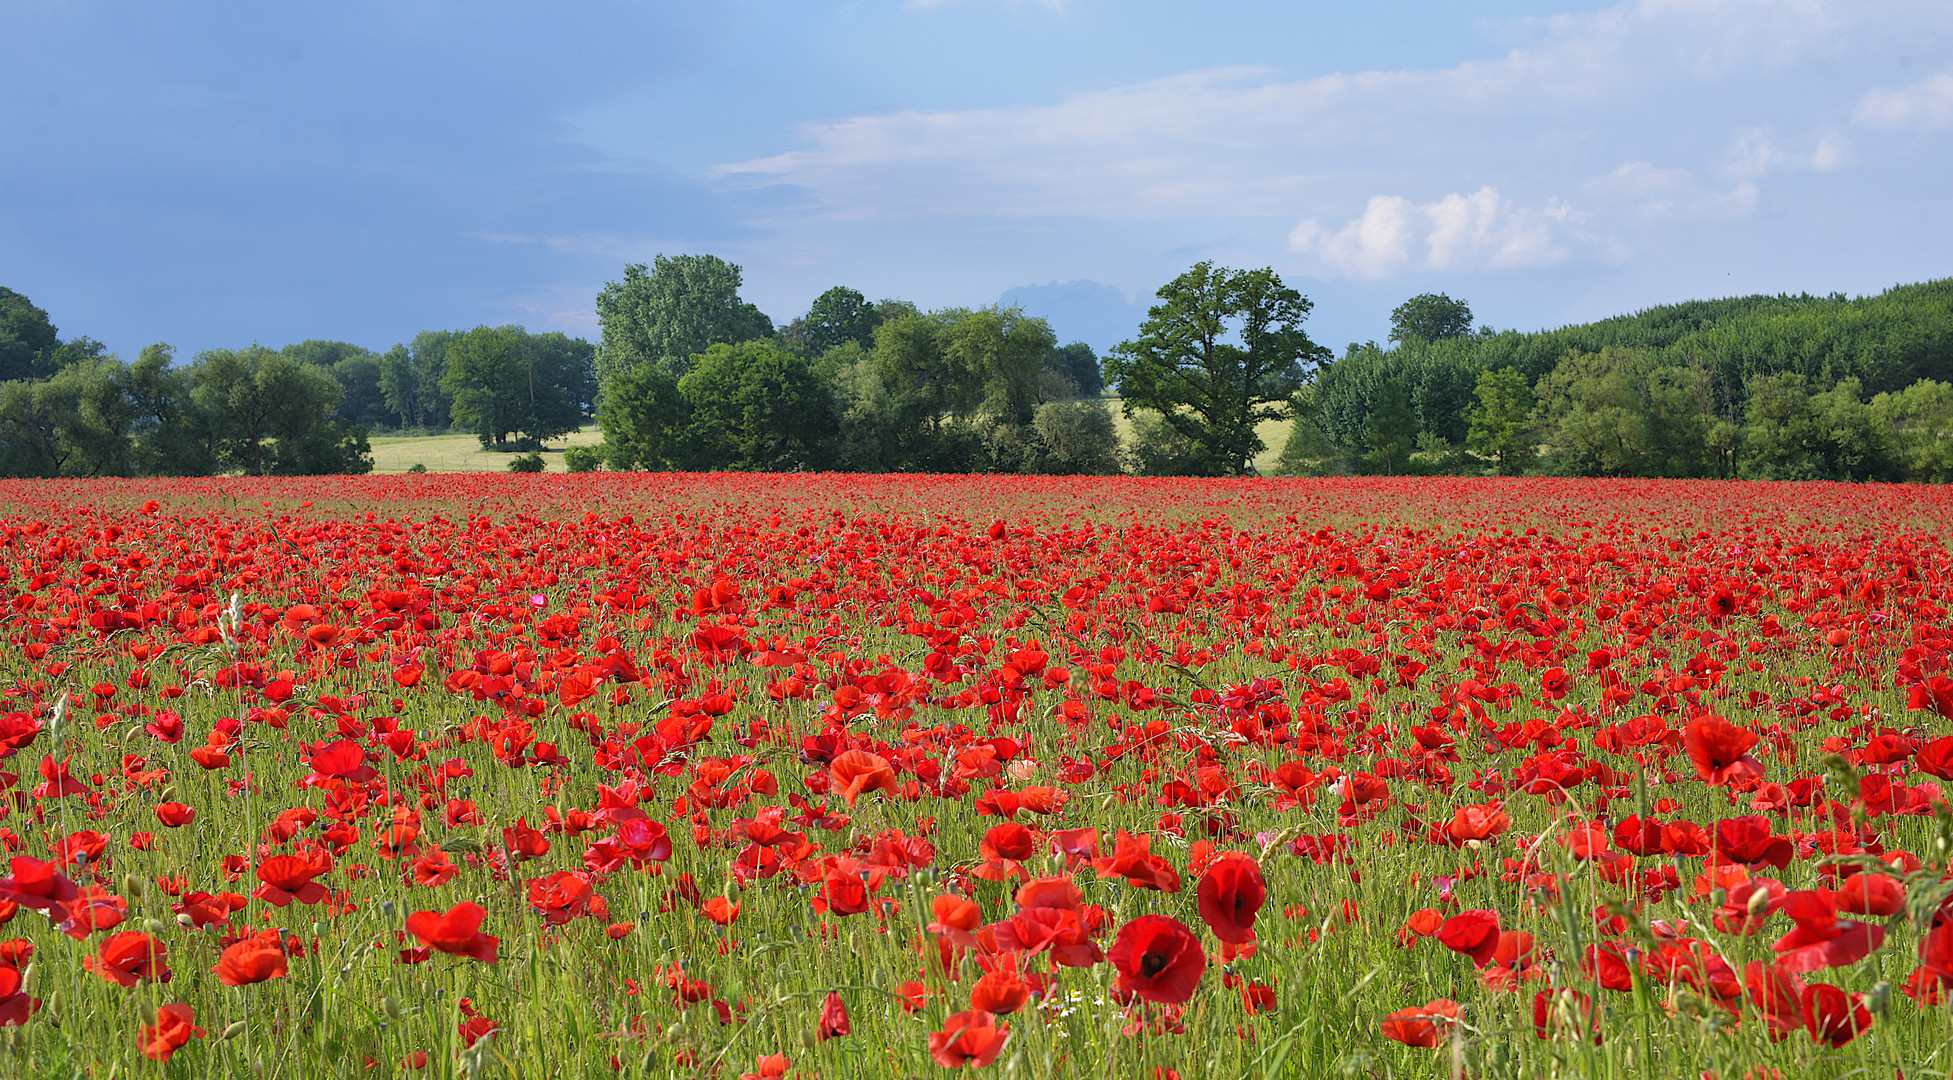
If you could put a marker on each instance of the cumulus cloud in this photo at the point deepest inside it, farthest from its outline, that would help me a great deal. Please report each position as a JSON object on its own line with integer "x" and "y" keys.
{"x": 1926, "y": 105}
{"x": 1482, "y": 230}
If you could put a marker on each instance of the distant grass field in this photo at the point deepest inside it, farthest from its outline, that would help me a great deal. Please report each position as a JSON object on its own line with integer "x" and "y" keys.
{"x": 1273, "y": 434}
{"x": 463, "y": 452}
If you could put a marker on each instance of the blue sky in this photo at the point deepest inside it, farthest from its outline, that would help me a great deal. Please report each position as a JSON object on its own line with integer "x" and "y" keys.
{"x": 211, "y": 174}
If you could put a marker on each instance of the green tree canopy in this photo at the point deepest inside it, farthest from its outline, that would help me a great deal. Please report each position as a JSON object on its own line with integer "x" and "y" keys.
{"x": 1502, "y": 420}
{"x": 410, "y": 380}
{"x": 755, "y": 406}
{"x": 1079, "y": 364}
{"x": 506, "y": 381}
{"x": 1223, "y": 351}
{"x": 1429, "y": 317}
{"x": 73, "y": 423}
{"x": 271, "y": 414}
{"x": 838, "y": 316}
{"x": 27, "y": 339}
{"x": 671, "y": 311}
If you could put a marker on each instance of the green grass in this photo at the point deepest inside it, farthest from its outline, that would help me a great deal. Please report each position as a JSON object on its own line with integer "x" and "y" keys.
{"x": 463, "y": 453}
{"x": 1274, "y": 433}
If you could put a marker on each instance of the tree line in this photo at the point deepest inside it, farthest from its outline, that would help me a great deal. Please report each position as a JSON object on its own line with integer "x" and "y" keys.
{"x": 1764, "y": 387}
{"x": 688, "y": 375}
{"x": 71, "y": 408}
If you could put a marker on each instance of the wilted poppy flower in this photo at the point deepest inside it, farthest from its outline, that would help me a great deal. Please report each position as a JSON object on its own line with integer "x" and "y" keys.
{"x": 834, "y": 1017}
{"x": 1424, "y": 1025}
{"x": 968, "y": 1038}
{"x": 1158, "y": 958}
{"x": 1231, "y": 893}
{"x": 456, "y": 931}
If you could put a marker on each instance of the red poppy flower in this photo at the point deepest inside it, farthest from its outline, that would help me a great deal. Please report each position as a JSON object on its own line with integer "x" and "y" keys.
{"x": 721, "y": 910}
{"x": 129, "y": 956}
{"x": 456, "y": 932}
{"x": 1778, "y": 995}
{"x": 1935, "y": 693}
{"x": 1008, "y": 841}
{"x": 1720, "y": 749}
{"x": 1474, "y": 933}
{"x": 834, "y": 1017}
{"x": 1834, "y": 1017}
{"x": 1001, "y": 989}
{"x": 252, "y": 960}
{"x": 1158, "y": 958}
{"x": 858, "y": 772}
{"x": 175, "y": 1026}
{"x": 287, "y": 878}
{"x": 1870, "y": 893}
{"x": 1132, "y": 860}
{"x": 1565, "y": 1011}
{"x": 1231, "y": 893}
{"x": 968, "y": 1038}
{"x": 1821, "y": 939}
{"x": 1748, "y": 841}
{"x": 1936, "y": 757}
{"x": 1478, "y": 822}
{"x": 1425, "y": 1025}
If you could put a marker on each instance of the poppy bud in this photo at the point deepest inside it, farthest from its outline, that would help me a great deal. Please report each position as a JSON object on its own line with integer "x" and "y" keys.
{"x": 1759, "y": 903}
{"x": 235, "y": 1029}
{"x": 391, "y": 1008}
{"x": 1875, "y": 1001}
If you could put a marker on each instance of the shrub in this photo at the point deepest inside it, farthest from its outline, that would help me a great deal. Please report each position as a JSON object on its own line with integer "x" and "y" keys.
{"x": 583, "y": 458}
{"x": 529, "y": 462}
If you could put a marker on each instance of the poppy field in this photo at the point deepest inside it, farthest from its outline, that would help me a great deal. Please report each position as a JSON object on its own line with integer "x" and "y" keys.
{"x": 839, "y": 776}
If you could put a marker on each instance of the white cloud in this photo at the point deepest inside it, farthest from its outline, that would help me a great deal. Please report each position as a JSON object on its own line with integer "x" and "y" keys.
{"x": 1756, "y": 152}
{"x": 1642, "y": 78}
{"x": 1660, "y": 120}
{"x": 1671, "y": 194}
{"x": 1832, "y": 153}
{"x": 1458, "y": 232}
{"x": 1926, "y": 105}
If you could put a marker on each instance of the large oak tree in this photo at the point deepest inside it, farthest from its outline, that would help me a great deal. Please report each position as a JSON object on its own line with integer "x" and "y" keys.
{"x": 1222, "y": 351}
